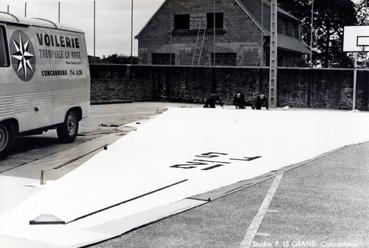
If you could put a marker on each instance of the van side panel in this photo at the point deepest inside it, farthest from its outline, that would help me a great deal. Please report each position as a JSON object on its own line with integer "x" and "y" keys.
{"x": 49, "y": 74}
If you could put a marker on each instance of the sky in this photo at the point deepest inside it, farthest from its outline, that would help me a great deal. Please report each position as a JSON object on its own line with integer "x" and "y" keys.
{"x": 113, "y": 22}
{"x": 113, "y": 19}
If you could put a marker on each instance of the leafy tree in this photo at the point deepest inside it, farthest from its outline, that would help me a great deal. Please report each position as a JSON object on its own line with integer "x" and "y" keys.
{"x": 362, "y": 12}
{"x": 114, "y": 59}
{"x": 362, "y": 15}
{"x": 330, "y": 17}
{"x": 119, "y": 59}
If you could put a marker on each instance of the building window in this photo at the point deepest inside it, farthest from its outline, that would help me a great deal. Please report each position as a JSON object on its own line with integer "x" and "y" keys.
{"x": 4, "y": 56}
{"x": 182, "y": 21}
{"x": 163, "y": 59}
{"x": 219, "y": 20}
{"x": 224, "y": 59}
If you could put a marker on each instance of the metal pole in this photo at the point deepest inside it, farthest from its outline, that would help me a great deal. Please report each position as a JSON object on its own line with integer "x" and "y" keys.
{"x": 132, "y": 32}
{"x": 262, "y": 34}
{"x": 7, "y": 9}
{"x": 94, "y": 28}
{"x": 171, "y": 35}
{"x": 214, "y": 33}
{"x": 59, "y": 12}
{"x": 355, "y": 82}
{"x": 311, "y": 32}
{"x": 25, "y": 9}
{"x": 42, "y": 177}
{"x": 273, "y": 62}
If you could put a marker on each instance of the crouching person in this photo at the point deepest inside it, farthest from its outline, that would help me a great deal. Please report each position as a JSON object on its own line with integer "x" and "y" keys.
{"x": 212, "y": 100}
{"x": 261, "y": 101}
{"x": 239, "y": 101}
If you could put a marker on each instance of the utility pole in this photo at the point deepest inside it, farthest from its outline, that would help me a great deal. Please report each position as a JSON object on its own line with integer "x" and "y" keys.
{"x": 355, "y": 82}
{"x": 214, "y": 33}
{"x": 25, "y": 9}
{"x": 132, "y": 33}
{"x": 59, "y": 12}
{"x": 262, "y": 34}
{"x": 273, "y": 63}
{"x": 311, "y": 32}
{"x": 94, "y": 28}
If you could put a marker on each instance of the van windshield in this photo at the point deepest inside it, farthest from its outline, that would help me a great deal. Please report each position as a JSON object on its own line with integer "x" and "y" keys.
{"x": 4, "y": 58}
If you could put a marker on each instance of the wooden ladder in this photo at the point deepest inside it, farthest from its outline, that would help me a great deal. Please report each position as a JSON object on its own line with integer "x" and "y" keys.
{"x": 199, "y": 44}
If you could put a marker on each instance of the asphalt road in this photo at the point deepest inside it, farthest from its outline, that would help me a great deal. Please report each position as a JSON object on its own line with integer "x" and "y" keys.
{"x": 321, "y": 203}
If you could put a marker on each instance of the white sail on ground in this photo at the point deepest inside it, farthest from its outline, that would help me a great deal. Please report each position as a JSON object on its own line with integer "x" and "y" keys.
{"x": 181, "y": 153}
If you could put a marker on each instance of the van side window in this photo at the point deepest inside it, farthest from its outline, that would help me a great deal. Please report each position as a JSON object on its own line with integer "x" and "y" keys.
{"x": 4, "y": 56}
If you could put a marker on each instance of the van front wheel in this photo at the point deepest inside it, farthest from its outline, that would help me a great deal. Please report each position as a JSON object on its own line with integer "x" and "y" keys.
{"x": 67, "y": 132}
{"x": 7, "y": 139}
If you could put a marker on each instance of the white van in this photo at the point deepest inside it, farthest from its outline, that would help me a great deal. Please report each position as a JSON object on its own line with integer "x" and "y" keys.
{"x": 44, "y": 79}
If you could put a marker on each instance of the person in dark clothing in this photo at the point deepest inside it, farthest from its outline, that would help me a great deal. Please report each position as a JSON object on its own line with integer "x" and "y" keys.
{"x": 212, "y": 100}
{"x": 261, "y": 101}
{"x": 239, "y": 101}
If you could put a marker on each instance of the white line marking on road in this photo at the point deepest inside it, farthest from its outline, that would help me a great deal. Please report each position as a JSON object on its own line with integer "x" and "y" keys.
{"x": 263, "y": 234}
{"x": 256, "y": 222}
{"x": 273, "y": 211}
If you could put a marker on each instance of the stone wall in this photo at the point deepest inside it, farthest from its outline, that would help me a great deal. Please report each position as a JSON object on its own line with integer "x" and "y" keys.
{"x": 116, "y": 83}
{"x": 297, "y": 87}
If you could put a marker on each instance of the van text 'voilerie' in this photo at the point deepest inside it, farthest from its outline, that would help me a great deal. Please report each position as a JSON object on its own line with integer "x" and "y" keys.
{"x": 57, "y": 41}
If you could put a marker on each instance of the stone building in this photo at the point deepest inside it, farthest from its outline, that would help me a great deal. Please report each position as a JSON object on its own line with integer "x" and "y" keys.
{"x": 218, "y": 32}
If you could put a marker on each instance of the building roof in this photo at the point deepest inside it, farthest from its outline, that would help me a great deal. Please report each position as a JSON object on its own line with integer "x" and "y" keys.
{"x": 282, "y": 11}
{"x": 147, "y": 23}
{"x": 254, "y": 9}
{"x": 291, "y": 44}
{"x": 37, "y": 22}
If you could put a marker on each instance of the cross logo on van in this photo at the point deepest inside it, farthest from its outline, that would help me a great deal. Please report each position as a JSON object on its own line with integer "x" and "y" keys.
{"x": 23, "y": 57}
